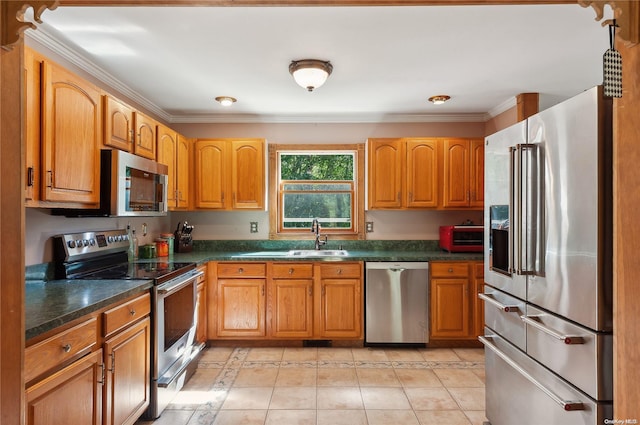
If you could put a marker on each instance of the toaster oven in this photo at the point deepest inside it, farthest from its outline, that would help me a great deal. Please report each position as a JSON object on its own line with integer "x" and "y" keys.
{"x": 462, "y": 238}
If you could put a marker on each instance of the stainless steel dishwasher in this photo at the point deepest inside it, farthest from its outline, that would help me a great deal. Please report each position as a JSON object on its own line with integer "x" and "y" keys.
{"x": 397, "y": 303}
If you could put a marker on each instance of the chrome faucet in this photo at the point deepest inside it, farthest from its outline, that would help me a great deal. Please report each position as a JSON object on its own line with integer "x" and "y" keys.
{"x": 315, "y": 228}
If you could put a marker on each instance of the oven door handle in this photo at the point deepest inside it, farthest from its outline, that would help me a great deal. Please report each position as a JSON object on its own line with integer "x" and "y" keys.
{"x": 165, "y": 291}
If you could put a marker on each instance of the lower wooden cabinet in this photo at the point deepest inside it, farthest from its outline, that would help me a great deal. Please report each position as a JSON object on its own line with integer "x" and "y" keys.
{"x": 72, "y": 395}
{"x": 287, "y": 300}
{"x": 455, "y": 311}
{"x": 80, "y": 375}
{"x": 201, "y": 305}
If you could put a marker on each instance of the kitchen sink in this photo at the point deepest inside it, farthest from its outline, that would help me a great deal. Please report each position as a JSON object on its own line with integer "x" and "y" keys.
{"x": 317, "y": 253}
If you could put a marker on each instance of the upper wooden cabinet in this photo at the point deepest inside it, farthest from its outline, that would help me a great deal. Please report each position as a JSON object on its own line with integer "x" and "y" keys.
{"x": 403, "y": 173}
{"x": 32, "y": 118}
{"x": 173, "y": 151}
{"x": 118, "y": 124}
{"x": 71, "y": 137}
{"x": 463, "y": 173}
{"x": 229, "y": 174}
{"x": 145, "y": 135}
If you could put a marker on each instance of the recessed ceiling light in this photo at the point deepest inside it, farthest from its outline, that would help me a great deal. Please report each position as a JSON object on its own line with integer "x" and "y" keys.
{"x": 439, "y": 99}
{"x": 226, "y": 100}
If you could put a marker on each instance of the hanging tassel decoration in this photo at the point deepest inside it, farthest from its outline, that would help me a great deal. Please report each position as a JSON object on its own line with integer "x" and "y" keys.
{"x": 612, "y": 66}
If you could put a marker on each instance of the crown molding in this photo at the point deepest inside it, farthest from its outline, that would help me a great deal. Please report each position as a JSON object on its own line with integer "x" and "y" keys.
{"x": 51, "y": 42}
{"x": 504, "y": 106}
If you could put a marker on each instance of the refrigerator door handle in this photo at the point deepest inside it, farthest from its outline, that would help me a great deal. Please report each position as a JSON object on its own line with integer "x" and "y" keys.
{"x": 567, "y": 339}
{"x": 523, "y": 190}
{"x": 567, "y": 405}
{"x": 498, "y": 304}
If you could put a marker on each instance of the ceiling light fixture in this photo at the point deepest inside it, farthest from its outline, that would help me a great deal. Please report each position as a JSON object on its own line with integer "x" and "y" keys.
{"x": 439, "y": 99}
{"x": 310, "y": 73}
{"x": 226, "y": 100}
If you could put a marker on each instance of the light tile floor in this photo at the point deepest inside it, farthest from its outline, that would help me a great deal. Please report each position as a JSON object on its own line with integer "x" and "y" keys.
{"x": 332, "y": 386}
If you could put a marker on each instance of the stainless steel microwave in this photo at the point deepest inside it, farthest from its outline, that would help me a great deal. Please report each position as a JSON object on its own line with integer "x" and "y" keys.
{"x": 129, "y": 186}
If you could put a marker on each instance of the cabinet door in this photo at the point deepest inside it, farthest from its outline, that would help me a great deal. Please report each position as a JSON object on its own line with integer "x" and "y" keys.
{"x": 422, "y": 173}
{"x": 72, "y": 395}
{"x": 145, "y": 136}
{"x": 341, "y": 308}
{"x": 72, "y": 131}
{"x": 456, "y": 173}
{"x": 241, "y": 307}
{"x": 210, "y": 174}
{"x": 128, "y": 374}
{"x": 166, "y": 153}
{"x": 449, "y": 308}
{"x": 247, "y": 174}
{"x": 291, "y": 308}
{"x": 385, "y": 173}
{"x": 182, "y": 172}
{"x": 32, "y": 78}
{"x": 118, "y": 124}
{"x": 478, "y": 305}
{"x": 202, "y": 306}
{"x": 476, "y": 173}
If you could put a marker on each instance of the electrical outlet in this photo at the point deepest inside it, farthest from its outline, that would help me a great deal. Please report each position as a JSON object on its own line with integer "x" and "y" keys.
{"x": 369, "y": 226}
{"x": 254, "y": 227}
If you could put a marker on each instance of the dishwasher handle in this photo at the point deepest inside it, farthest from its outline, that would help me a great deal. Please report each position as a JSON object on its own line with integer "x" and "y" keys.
{"x": 397, "y": 269}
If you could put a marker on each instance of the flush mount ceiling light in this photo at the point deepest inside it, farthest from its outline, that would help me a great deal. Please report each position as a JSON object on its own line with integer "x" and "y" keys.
{"x": 310, "y": 73}
{"x": 226, "y": 100}
{"x": 439, "y": 99}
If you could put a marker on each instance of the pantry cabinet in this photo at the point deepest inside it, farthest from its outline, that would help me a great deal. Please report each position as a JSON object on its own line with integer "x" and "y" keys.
{"x": 241, "y": 299}
{"x": 403, "y": 173}
{"x": 229, "y": 174}
{"x": 173, "y": 150}
{"x": 463, "y": 173}
{"x": 71, "y": 137}
{"x": 454, "y": 305}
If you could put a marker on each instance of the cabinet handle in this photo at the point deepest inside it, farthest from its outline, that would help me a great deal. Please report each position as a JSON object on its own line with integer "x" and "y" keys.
{"x": 101, "y": 380}
{"x": 113, "y": 362}
{"x": 132, "y": 312}
{"x": 132, "y": 135}
{"x": 339, "y": 271}
{"x": 49, "y": 178}
{"x": 310, "y": 290}
{"x": 323, "y": 290}
{"x": 399, "y": 196}
{"x": 30, "y": 172}
{"x": 66, "y": 348}
{"x": 263, "y": 290}
{"x": 222, "y": 200}
{"x": 291, "y": 270}
{"x": 241, "y": 270}
{"x": 450, "y": 270}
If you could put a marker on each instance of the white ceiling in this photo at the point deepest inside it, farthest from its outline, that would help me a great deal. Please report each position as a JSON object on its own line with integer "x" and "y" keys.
{"x": 387, "y": 60}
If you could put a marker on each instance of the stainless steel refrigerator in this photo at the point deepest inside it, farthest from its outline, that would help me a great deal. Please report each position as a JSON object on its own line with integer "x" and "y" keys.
{"x": 548, "y": 266}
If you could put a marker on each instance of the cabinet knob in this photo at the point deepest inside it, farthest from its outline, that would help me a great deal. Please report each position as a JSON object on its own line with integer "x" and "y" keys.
{"x": 132, "y": 312}
{"x": 240, "y": 270}
{"x": 450, "y": 270}
{"x": 339, "y": 271}
{"x": 66, "y": 348}
{"x": 291, "y": 270}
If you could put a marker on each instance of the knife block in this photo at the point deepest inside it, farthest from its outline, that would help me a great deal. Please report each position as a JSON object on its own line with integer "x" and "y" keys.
{"x": 183, "y": 242}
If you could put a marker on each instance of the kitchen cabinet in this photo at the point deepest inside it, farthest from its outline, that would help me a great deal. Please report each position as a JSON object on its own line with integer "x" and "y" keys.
{"x": 127, "y": 357}
{"x": 463, "y": 173}
{"x": 340, "y": 310}
{"x": 241, "y": 300}
{"x": 290, "y": 300}
{"x": 144, "y": 135}
{"x": 95, "y": 371}
{"x": 118, "y": 124}
{"x": 229, "y": 174}
{"x": 71, "y": 137}
{"x": 403, "y": 173}
{"x": 201, "y": 305}
{"x": 173, "y": 150}
{"x": 454, "y": 305}
{"x": 32, "y": 118}
{"x": 477, "y": 282}
{"x": 72, "y": 395}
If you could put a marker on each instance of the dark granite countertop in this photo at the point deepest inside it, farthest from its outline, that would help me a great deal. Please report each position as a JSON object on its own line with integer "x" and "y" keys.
{"x": 56, "y": 302}
{"x": 52, "y": 303}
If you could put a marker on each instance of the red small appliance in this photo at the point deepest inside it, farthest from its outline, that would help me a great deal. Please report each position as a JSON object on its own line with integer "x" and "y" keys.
{"x": 462, "y": 238}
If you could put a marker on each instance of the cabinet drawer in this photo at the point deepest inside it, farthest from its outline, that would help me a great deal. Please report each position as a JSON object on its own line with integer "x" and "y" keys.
{"x": 242, "y": 269}
{"x": 328, "y": 271}
{"x": 203, "y": 276}
{"x": 457, "y": 269}
{"x": 478, "y": 269}
{"x": 59, "y": 348}
{"x": 125, "y": 314}
{"x": 292, "y": 271}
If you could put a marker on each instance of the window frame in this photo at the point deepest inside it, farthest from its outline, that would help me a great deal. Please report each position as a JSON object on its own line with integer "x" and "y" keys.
{"x": 275, "y": 200}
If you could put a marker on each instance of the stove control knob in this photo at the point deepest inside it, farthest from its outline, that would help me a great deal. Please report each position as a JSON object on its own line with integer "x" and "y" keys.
{"x": 92, "y": 242}
{"x": 119, "y": 238}
{"x": 125, "y": 237}
{"x": 79, "y": 243}
{"x": 110, "y": 239}
{"x": 85, "y": 242}
{"x": 71, "y": 244}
